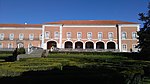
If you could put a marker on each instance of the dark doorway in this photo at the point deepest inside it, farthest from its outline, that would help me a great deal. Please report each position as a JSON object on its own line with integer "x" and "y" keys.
{"x": 50, "y": 44}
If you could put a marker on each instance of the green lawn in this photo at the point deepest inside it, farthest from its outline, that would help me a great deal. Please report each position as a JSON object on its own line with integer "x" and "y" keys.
{"x": 122, "y": 65}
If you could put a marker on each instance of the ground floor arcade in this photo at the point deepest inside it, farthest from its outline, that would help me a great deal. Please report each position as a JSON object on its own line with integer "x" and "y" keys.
{"x": 82, "y": 45}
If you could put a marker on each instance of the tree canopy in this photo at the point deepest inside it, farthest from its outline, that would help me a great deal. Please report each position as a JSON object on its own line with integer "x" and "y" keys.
{"x": 144, "y": 33}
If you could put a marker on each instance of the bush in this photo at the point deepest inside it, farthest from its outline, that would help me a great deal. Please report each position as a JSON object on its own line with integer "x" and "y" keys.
{"x": 21, "y": 50}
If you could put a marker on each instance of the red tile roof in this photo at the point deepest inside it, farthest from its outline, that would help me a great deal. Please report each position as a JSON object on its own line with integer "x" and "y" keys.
{"x": 91, "y": 22}
{"x": 20, "y": 25}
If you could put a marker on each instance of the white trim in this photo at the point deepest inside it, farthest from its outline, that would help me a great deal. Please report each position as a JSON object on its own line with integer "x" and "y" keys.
{"x": 20, "y": 36}
{"x": 111, "y": 39}
{"x": 79, "y": 41}
{"x": 65, "y": 42}
{"x": 60, "y": 37}
{"x": 100, "y": 39}
{"x": 46, "y": 35}
{"x": 136, "y": 35}
{"x": 138, "y": 27}
{"x": 30, "y": 36}
{"x": 125, "y": 35}
{"x": 43, "y": 35}
{"x": 50, "y": 25}
{"x": 88, "y": 26}
{"x": 56, "y": 36}
{"x": 77, "y": 36}
{"x": 124, "y": 50}
{"x": 2, "y": 36}
{"x": 116, "y": 47}
{"x": 89, "y": 37}
{"x": 129, "y": 25}
{"x": 20, "y": 28}
{"x": 11, "y": 36}
{"x": 119, "y": 28}
{"x": 52, "y": 40}
{"x": 68, "y": 35}
{"x": 92, "y": 42}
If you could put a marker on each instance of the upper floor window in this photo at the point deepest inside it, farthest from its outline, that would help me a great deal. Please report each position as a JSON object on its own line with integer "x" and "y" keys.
{"x": 124, "y": 35}
{"x": 68, "y": 35}
{"x": 56, "y": 35}
{"x": 134, "y": 35}
{"x": 99, "y": 35}
{"x": 2, "y": 36}
{"x": 1, "y": 45}
{"x": 47, "y": 34}
{"x": 11, "y": 36}
{"x": 110, "y": 35}
{"x": 89, "y": 35}
{"x": 21, "y": 36}
{"x": 79, "y": 35}
{"x": 31, "y": 36}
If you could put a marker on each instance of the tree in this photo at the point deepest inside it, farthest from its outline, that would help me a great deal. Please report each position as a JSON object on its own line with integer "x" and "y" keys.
{"x": 144, "y": 33}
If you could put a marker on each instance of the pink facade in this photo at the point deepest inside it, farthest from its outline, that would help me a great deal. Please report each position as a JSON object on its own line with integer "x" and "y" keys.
{"x": 80, "y": 34}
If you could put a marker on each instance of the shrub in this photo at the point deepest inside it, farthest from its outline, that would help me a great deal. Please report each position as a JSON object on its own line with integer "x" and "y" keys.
{"x": 21, "y": 50}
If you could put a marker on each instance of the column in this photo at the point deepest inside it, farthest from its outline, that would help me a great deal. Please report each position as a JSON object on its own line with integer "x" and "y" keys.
{"x": 119, "y": 38}
{"x": 60, "y": 37}
{"x": 43, "y": 29}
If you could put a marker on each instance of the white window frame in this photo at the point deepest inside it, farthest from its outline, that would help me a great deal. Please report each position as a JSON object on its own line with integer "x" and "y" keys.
{"x": 134, "y": 35}
{"x": 79, "y": 35}
{"x": 89, "y": 35}
{"x": 122, "y": 35}
{"x": 10, "y": 46}
{"x": 47, "y": 34}
{"x": 11, "y": 36}
{"x": 31, "y": 36}
{"x": 1, "y": 45}
{"x": 40, "y": 36}
{"x": 68, "y": 34}
{"x": 100, "y": 37}
{"x": 133, "y": 47}
{"x": 56, "y": 35}
{"x": 2, "y": 36}
{"x": 110, "y": 38}
{"x": 21, "y": 37}
{"x": 124, "y": 49}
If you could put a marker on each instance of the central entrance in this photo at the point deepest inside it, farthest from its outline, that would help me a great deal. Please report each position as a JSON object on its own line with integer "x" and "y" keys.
{"x": 50, "y": 44}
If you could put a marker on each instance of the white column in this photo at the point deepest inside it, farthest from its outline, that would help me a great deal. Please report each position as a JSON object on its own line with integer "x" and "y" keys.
{"x": 105, "y": 45}
{"x": 83, "y": 45}
{"x": 119, "y": 38}
{"x": 94, "y": 45}
{"x": 73, "y": 45}
{"x": 60, "y": 37}
{"x": 43, "y": 29}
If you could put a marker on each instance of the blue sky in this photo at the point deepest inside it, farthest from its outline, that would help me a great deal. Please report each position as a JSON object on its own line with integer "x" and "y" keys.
{"x": 41, "y": 11}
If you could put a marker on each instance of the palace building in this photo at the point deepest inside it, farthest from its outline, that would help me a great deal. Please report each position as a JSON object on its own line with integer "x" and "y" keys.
{"x": 96, "y": 35}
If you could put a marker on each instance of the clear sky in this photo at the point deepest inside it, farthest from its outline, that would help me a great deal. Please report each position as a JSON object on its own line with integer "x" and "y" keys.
{"x": 41, "y": 11}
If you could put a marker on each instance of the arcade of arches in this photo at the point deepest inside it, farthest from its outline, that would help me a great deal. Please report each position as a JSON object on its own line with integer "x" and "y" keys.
{"x": 82, "y": 45}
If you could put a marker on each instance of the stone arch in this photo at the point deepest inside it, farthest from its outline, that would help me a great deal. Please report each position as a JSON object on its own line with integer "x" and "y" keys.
{"x": 111, "y": 45}
{"x": 51, "y": 43}
{"x": 78, "y": 45}
{"x": 89, "y": 45}
{"x": 68, "y": 44}
{"x": 100, "y": 45}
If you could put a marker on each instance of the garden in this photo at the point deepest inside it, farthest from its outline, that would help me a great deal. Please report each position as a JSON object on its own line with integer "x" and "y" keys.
{"x": 89, "y": 67}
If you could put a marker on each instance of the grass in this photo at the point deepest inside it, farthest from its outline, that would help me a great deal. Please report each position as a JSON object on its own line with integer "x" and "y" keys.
{"x": 121, "y": 64}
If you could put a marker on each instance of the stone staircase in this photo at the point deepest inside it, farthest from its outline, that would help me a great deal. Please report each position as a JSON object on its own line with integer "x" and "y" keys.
{"x": 35, "y": 53}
